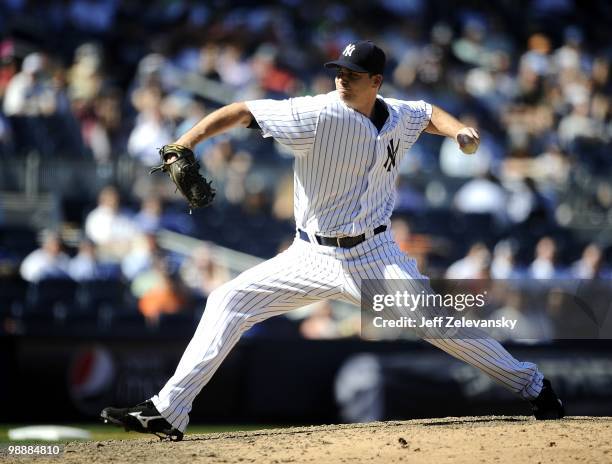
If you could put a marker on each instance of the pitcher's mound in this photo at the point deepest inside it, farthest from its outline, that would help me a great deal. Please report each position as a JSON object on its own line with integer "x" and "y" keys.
{"x": 449, "y": 440}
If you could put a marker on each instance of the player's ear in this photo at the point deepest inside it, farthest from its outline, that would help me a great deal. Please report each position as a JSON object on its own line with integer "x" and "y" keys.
{"x": 377, "y": 80}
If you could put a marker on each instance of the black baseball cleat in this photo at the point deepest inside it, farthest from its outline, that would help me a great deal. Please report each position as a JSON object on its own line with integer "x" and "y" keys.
{"x": 547, "y": 405}
{"x": 143, "y": 418}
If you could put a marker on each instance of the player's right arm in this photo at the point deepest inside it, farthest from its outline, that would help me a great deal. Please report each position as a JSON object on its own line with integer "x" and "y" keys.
{"x": 217, "y": 122}
{"x": 291, "y": 122}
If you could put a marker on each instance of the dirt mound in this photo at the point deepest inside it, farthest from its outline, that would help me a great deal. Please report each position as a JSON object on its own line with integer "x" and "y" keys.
{"x": 449, "y": 440}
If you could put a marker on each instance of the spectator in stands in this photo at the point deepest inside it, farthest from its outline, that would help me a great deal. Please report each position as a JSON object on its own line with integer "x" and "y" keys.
{"x": 47, "y": 262}
{"x": 503, "y": 263}
{"x": 31, "y": 92}
{"x": 101, "y": 125}
{"x": 240, "y": 177}
{"x": 85, "y": 75}
{"x": 532, "y": 325}
{"x": 274, "y": 81}
{"x": 5, "y": 137}
{"x": 527, "y": 127}
{"x": 142, "y": 255}
{"x": 571, "y": 55}
{"x": 320, "y": 323}
{"x": 149, "y": 278}
{"x": 149, "y": 218}
{"x": 493, "y": 85}
{"x": 174, "y": 109}
{"x": 8, "y": 64}
{"x": 86, "y": 265}
{"x": 167, "y": 297}
{"x": 577, "y": 124}
{"x": 108, "y": 227}
{"x": 543, "y": 266}
{"x": 550, "y": 169}
{"x": 233, "y": 69}
{"x": 230, "y": 168}
{"x": 526, "y": 204}
{"x": 483, "y": 194}
{"x": 153, "y": 216}
{"x": 208, "y": 61}
{"x": 470, "y": 46}
{"x": 600, "y": 74}
{"x": 537, "y": 59}
{"x": 217, "y": 159}
{"x": 201, "y": 273}
{"x": 575, "y": 314}
{"x": 590, "y": 264}
{"x": 416, "y": 246}
{"x": 475, "y": 264}
{"x": 151, "y": 130}
{"x": 95, "y": 103}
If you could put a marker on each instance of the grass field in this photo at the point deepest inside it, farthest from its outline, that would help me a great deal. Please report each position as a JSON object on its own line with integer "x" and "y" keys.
{"x": 103, "y": 432}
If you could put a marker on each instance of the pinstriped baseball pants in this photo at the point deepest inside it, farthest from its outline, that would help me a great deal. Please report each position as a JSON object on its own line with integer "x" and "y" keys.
{"x": 303, "y": 274}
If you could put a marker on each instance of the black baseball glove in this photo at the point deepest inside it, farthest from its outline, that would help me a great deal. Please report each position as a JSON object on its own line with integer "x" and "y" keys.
{"x": 181, "y": 165}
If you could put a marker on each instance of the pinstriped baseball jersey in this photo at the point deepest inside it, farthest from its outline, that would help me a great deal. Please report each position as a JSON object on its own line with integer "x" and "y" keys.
{"x": 345, "y": 169}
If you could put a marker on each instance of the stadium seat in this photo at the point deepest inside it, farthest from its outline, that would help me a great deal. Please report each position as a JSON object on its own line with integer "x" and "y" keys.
{"x": 46, "y": 294}
{"x": 122, "y": 320}
{"x": 80, "y": 322}
{"x": 92, "y": 294}
{"x": 12, "y": 295}
{"x": 176, "y": 323}
{"x": 17, "y": 241}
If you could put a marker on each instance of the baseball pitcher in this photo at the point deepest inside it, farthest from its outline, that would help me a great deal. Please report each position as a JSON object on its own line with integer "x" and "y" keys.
{"x": 348, "y": 145}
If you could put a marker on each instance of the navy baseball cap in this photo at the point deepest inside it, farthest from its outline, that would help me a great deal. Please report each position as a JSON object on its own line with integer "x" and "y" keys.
{"x": 361, "y": 56}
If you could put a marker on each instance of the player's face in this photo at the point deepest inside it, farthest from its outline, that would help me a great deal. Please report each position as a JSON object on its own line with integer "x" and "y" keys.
{"x": 354, "y": 86}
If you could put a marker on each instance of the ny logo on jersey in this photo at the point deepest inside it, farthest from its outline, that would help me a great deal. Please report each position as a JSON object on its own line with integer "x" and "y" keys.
{"x": 391, "y": 154}
{"x": 348, "y": 50}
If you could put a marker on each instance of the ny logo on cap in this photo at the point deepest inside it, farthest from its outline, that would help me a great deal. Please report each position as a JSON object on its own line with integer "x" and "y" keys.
{"x": 348, "y": 50}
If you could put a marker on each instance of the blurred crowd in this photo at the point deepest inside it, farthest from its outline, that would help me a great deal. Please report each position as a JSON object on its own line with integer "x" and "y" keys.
{"x": 104, "y": 80}
{"x": 122, "y": 246}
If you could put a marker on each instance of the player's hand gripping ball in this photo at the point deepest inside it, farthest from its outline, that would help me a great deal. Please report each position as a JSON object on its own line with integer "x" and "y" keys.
{"x": 468, "y": 140}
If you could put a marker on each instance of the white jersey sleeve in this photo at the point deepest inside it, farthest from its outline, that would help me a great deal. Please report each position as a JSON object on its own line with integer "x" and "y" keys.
{"x": 416, "y": 115}
{"x": 292, "y": 122}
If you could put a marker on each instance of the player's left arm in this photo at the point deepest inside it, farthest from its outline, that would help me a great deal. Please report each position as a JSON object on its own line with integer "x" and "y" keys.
{"x": 442, "y": 123}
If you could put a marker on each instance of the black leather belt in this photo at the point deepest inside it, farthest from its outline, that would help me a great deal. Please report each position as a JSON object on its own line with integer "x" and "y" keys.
{"x": 342, "y": 242}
